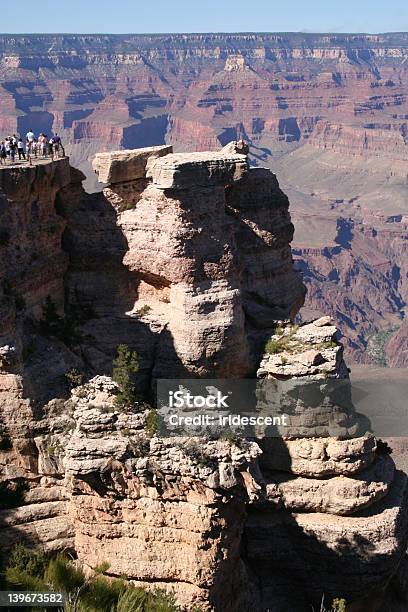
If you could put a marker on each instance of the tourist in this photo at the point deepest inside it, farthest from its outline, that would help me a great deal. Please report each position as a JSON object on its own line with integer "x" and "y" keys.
{"x": 13, "y": 149}
{"x": 58, "y": 146}
{"x": 3, "y": 155}
{"x": 43, "y": 144}
{"x": 30, "y": 135}
{"x": 20, "y": 149}
{"x": 7, "y": 147}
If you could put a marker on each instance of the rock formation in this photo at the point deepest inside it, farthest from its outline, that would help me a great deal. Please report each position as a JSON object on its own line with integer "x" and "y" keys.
{"x": 185, "y": 258}
{"x": 328, "y": 113}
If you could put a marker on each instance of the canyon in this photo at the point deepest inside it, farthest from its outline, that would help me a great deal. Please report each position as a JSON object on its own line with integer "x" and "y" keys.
{"x": 327, "y": 112}
{"x": 186, "y": 259}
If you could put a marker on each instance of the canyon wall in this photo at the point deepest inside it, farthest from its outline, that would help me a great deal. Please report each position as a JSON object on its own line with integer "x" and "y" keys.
{"x": 185, "y": 258}
{"x": 327, "y": 112}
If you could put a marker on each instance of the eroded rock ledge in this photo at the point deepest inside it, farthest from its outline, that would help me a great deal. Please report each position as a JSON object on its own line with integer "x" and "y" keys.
{"x": 185, "y": 258}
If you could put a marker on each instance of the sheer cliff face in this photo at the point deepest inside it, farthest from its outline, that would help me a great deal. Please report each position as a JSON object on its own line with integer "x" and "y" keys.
{"x": 185, "y": 258}
{"x": 328, "y": 113}
{"x": 208, "y": 254}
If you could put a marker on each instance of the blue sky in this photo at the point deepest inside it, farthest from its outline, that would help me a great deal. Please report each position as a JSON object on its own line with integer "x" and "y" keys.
{"x": 124, "y": 16}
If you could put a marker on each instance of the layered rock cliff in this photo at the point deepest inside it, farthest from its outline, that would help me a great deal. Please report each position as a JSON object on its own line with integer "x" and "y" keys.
{"x": 186, "y": 259}
{"x": 327, "y": 112}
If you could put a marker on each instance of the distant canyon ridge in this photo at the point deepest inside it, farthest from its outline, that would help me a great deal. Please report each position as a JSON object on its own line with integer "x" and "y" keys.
{"x": 327, "y": 113}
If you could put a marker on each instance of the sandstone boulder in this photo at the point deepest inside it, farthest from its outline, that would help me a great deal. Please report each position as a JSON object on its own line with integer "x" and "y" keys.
{"x": 185, "y": 170}
{"x": 127, "y": 165}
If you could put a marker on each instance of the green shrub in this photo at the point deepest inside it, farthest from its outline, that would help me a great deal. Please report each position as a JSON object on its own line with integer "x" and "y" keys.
{"x": 33, "y": 570}
{"x": 74, "y": 378}
{"x": 284, "y": 342}
{"x": 278, "y": 346}
{"x": 272, "y": 347}
{"x": 152, "y": 422}
{"x": 125, "y": 364}
{"x": 144, "y": 310}
{"x": 63, "y": 574}
{"x": 25, "y": 569}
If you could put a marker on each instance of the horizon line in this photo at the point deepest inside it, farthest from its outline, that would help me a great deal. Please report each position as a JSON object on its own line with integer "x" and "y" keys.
{"x": 236, "y": 33}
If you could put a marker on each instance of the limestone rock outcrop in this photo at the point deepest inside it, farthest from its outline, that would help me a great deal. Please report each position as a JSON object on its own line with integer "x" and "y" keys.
{"x": 187, "y": 260}
{"x": 208, "y": 243}
{"x": 128, "y": 165}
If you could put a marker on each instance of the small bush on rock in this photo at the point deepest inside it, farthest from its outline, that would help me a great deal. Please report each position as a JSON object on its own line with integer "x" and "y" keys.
{"x": 74, "y": 378}
{"x": 125, "y": 364}
{"x": 152, "y": 422}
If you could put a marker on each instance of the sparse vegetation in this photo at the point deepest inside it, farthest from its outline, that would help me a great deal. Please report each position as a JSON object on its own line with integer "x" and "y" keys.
{"x": 376, "y": 345}
{"x": 81, "y": 392}
{"x": 287, "y": 342}
{"x": 138, "y": 445}
{"x": 195, "y": 452}
{"x": 232, "y": 437}
{"x": 104, "y": 409}
{"x": 63, "y": 328}
{"x": 278, "y": 346}
{"x": 279, "y": 330}
{"x": 326, "y": 345}
{"x": 338, "y": 605}
{"x": 74, "y": 378}
{"x": 143, "y": 311}
{"x": 152, "y": 422}
{"x": 125, "y": 364}
{"x": 33, "y": 570}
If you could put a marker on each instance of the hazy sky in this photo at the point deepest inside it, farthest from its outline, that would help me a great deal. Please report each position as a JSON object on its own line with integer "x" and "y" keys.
{"x": 123, "y": 16}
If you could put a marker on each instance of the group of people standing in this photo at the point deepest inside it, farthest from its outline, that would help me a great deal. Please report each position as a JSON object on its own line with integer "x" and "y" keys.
{"x": 13, "y": 148}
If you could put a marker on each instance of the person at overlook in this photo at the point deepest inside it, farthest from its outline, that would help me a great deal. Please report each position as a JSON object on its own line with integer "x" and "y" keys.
{"x": 20, "y": 149}
{"x": 3, "y": 154}
{"x": 13, "y": 149}
{"x": 7, "y": 147}
{"x": 57, "y": 145}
